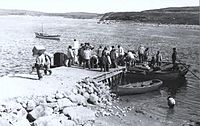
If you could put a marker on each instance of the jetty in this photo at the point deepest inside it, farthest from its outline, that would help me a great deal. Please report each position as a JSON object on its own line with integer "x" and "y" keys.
{"x": 28, "y": 84}
{"x": 113, "y": 77}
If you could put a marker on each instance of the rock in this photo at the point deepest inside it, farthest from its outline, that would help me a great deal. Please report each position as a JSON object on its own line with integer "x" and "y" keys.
{"x": 51, "y": 105}
{"x": 40, "y": 100}
{"x": 89, "y": 123}
{"x": 54, "y": 120}
{"x": 78, "y": 99}
{"x": 19, "y": 113}
{"x": 50, "y": 99}
{"x": 67, "y": 93}
{"x": 59, "y": 95}
{"x": 86, "y": 95}
{"x": 39, "y": 111}
{"x": 2, "y": 108}
{"x": 90, "y": 90}
{"x": 4, "y": 122}
{"x": 79, "y": 114}
{"x": 65, "y": 102}
{"x": 30, "y": 105}
{"x": 22, "y": 122}
{"x": 93, "y": 99}
{"x": 74, "y": 90}
{"x": 104, "y": 113}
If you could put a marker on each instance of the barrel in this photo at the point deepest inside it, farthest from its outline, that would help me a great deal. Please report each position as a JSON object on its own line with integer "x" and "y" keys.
{"x": 60, "y": 59}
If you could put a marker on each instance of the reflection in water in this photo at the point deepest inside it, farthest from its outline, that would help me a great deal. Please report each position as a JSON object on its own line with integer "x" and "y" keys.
{"x": 169, "y": 113}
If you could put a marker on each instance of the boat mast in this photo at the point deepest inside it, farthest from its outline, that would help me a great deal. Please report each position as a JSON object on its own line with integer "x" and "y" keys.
{"x": 42, "y": 27}
{"x": 199, "y": 12}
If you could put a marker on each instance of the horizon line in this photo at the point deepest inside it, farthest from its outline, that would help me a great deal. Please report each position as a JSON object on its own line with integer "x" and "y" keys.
{"x": 95, "y": 12}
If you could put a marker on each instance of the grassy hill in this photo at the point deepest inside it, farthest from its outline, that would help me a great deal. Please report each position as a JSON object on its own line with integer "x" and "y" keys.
{"x": 173, "y": 15}
{"x": 77, "y": 15}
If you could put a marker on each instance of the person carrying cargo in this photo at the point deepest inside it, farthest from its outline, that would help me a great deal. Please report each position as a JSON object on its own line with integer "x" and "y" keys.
{"x": 39, "y": 65}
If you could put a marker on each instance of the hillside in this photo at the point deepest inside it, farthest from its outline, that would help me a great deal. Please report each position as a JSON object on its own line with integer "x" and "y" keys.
{"x": 173, "y": 15}
{"x": 76, "y": 15}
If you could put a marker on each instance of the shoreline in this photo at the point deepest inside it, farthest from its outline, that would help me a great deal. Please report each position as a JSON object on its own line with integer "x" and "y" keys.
{"x": 64, "y": 96}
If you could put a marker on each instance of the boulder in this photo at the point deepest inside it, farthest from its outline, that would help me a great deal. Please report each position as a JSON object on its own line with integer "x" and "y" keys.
{"x": 18, "y": 114}
{"x": 40, "y": 100}
{"x": 86, "y": 95}
{"x": 93, "y": 99}
{"x": 22, "y": 122}
{"x": 54, "y": 120}
{"x": 78, "y": 99}
{"x": 65, "y": 102}
{"x": 39, "y": 111}
{"x": 59, "y": 95}
{"x": 79, "y": 114}
{"x": 30, "y": 105}
{"x": 50, "y": 99}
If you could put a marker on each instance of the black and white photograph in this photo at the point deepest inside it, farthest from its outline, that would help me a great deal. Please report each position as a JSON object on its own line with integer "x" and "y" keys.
{"x": 99, "y": 62}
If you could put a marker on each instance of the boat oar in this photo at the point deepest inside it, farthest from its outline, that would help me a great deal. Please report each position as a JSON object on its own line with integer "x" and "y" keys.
{"x": 189, "y": 70}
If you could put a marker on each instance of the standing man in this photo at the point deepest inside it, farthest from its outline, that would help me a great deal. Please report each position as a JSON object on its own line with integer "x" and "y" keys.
{"x": 158, "y": 58}
{"x": 40, "y": 61}
{"x": 120, "y": 52}
{"x": 80, "y": 54}
{"x": 99, "y": 55}
{"x": 105, "y": 60}
{"x": 76, "y": 47}
{"x": 87, "y": 56}
{"x": 174, "y": 57}
{"x": 70, "y": 55}
{"x": 141, "y": 53}
{"x": 113, "y": 57}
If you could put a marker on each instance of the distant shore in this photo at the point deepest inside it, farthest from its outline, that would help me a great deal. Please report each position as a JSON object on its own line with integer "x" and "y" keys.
{"x": 171, "y": 15}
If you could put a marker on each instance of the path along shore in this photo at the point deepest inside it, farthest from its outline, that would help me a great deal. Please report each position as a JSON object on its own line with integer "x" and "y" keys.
{"x": 64, "y": 98}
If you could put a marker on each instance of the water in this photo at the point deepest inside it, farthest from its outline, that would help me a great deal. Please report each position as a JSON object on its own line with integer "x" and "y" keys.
{"x": 17, "y": 40}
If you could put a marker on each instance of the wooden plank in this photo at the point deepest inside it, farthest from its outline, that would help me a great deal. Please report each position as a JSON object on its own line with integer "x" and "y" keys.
{"x": 108, "y": 74}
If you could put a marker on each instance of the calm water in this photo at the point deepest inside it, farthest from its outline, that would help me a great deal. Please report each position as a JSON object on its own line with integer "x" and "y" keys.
{"x": 17, "y": 40}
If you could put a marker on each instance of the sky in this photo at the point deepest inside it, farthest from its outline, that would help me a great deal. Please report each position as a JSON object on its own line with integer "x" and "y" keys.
{"x": 94, "y": 6}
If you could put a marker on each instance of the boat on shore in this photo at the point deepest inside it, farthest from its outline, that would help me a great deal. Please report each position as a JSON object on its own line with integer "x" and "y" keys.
{"x": 46, "y": 36}
{"x": 164, "y": 73}
{"x": 139, "y": 87}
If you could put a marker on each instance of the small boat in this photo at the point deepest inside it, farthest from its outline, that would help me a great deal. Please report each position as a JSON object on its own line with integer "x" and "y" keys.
{"x": 43, "y": 35}
{"x": 164, "y": 73}
{"x": 139, "y": 87}
{"x": 46, "y": 36}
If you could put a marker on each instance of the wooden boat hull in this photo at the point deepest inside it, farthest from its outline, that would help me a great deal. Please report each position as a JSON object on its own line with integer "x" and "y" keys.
{"x": 42, "y": 36}
{"x": 134, "y": 89}
{"x": 164, "y": 75}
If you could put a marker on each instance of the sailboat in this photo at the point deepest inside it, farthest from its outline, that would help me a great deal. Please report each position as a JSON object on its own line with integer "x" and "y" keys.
{"x": 43, "y": 35}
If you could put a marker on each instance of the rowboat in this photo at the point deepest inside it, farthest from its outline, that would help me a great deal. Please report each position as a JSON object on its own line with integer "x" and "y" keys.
{"x": 164, "y": 73}
{"x": 139, "y": 87}
{"x": 46, "y": 36}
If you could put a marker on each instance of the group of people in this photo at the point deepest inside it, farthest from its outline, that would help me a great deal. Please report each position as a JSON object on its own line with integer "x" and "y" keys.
{"x": 111, "y": 57}
{"x": 104, "y": 58}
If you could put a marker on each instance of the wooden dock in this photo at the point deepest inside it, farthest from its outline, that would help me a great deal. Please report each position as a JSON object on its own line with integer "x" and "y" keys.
{"x": 113, "y": 77}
